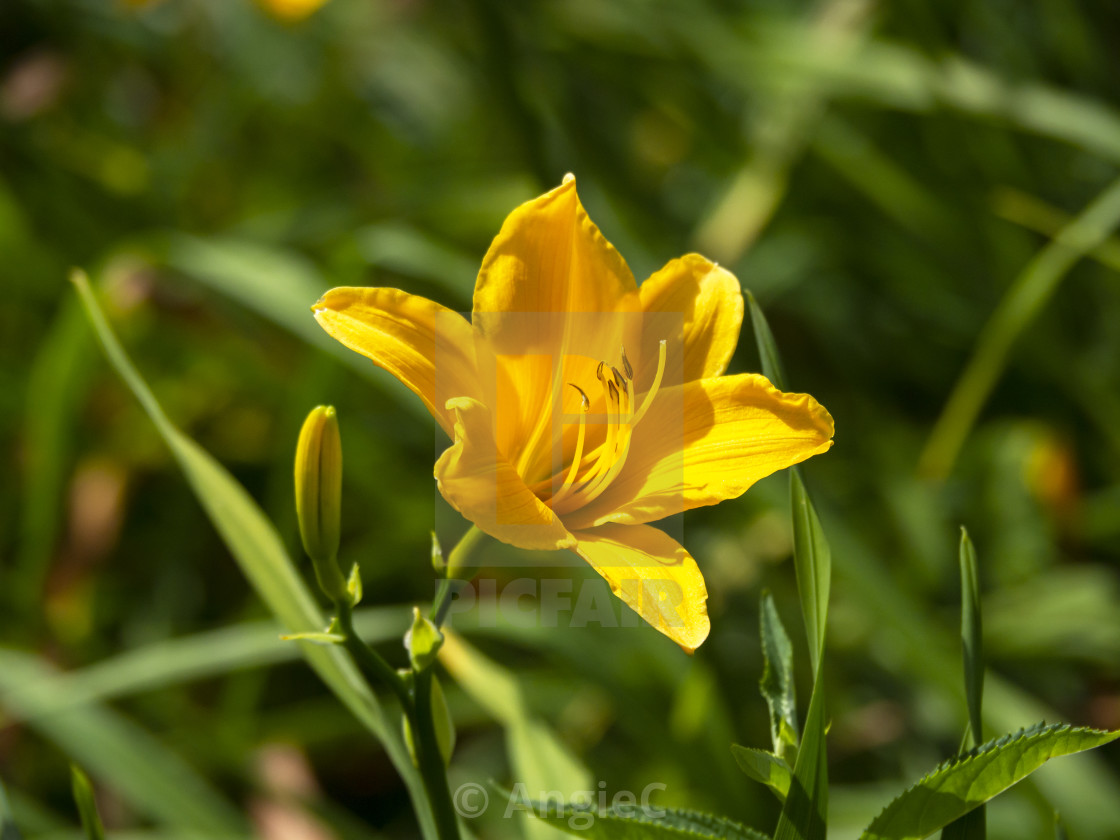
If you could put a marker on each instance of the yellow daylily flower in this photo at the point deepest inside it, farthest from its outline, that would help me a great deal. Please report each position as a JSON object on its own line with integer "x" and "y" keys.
{"x": 582, "y": 407}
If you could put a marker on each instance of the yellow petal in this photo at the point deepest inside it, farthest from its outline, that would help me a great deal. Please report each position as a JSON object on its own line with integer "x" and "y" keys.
{"x": 654, "y": 575}
{"x": 482, "y": 485}
{"x": 708, "y": 304}
{"x": 550, "y": 287}
{"x": 426, "y": 346}
{"x": 707, "y": 441}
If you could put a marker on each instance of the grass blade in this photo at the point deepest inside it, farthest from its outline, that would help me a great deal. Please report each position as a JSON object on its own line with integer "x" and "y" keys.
{"x": 142, "y": 770}
{"x": 177, "y": 661}
{"x": 971, "y": 637}
{"x": 87, "y": 805}
{"x": 1021, "y": 304}
{"x": 538, "y": 760}
{"x": 8, "y": 829}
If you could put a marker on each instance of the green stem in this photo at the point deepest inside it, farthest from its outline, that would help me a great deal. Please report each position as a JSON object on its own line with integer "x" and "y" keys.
{"x": 428, "y": 756}
{"x": 456, "y": 562}
{"x": 367, "y": 659}
{"x": 417, "y": 707}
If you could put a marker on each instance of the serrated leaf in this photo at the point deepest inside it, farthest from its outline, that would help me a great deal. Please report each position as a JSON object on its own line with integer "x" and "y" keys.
{"x": 765, "y": 767}
{"x": 776, "y": 682}
{"x": 87, "y": 805}
{"x": 630, "y": 821}
{"x": 957, "y": 786}
{"x": 805, "y": 812}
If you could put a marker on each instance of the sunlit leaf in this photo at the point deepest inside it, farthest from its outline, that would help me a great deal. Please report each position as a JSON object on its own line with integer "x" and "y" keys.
{"x": 960, "y": 784}
{"x": 766, "y": 768}
{"x": 629, "y": 821}
{"x": 777, "y": 677}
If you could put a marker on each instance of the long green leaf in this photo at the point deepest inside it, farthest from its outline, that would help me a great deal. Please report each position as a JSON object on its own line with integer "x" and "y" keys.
{"x": 813, "y": 560}
{"x": 277, "y": 285}
{"x": 960, "y": 784}
{"x": 630, "y": 821}
{"x": 765, "y": 768}
{"x": 175, "y": 661}
{"x": 764, "y": 341}
{"x": 777, "y": 677}
{"x": 805, "y": 812}
{"x": 971, "y": 637}
{"x": 56, "y": 385}
{"x": 8, "y": 829}
{"x": 87, "y": 805}
{"x": 150, "y": 777}
{"x": 974, "y": 824}
{"x": 1022, "y": 303}
{"x": 258, "y": 550}
{"x": 537, "y": 757}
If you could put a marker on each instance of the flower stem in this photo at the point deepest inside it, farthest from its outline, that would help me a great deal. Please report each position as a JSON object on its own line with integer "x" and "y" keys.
{"x": 368, "y": 660}
{"x": 456, "y": 563}
{"x": 430, "y": 760}
{"x": 417, "y": 707}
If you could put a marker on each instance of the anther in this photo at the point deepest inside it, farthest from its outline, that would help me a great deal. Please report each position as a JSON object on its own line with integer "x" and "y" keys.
{"x": 619, "y": 381}
{"x": 599, "y": 371}
{"x": 626, "y": 366}
{"x": 583, "y": 396}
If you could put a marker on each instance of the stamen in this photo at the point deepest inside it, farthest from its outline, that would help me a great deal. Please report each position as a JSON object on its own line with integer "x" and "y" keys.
{"x": 661, "y": 353}
{"x": 569, "y": 479}
{"x": 626, "y": 366}
{"x": 619, "y": 381}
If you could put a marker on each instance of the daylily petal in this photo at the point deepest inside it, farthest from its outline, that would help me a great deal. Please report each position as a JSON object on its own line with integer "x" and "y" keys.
{"x": 485, "y": 488}
{"x": 550, "y": 286}
{"x": 426, "y": 346}
{"x": 708, "y": 300}
{"x": 654, "y": 575}
{"x": 707, "y": 441}
{"x": 549, "y": 257}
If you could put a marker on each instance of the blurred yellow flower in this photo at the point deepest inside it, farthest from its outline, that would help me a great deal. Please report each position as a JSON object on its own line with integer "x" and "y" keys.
{"x": 292, "y": 9}
{"x": 582, "y": 407}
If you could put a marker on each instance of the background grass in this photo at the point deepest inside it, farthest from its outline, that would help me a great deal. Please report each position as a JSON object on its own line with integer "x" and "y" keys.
{"x": 884, "y": 178}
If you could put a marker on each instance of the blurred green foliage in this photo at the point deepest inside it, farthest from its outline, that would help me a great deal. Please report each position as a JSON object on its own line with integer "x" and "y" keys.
{"x": 879, "y": 176}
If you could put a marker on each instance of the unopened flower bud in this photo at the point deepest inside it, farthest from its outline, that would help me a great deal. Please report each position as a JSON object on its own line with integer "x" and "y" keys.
{"x": 423, "y": 641}
{"x": 319, "y": 496}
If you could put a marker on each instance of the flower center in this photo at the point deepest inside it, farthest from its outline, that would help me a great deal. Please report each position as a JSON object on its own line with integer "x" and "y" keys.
{"x": 589, "y": 474}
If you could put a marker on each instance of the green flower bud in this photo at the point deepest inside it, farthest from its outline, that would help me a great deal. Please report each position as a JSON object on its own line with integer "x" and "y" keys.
{"x": 423, "y": 641}
{"x": 319, "y": 496}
